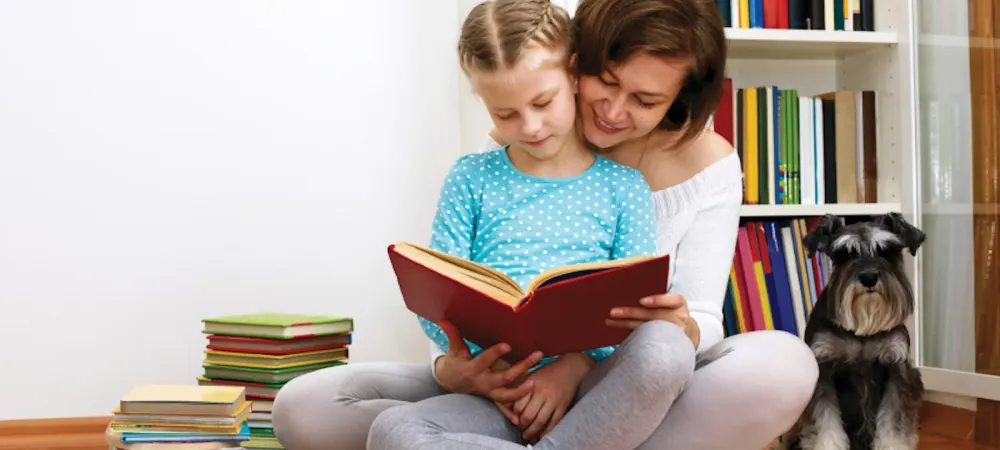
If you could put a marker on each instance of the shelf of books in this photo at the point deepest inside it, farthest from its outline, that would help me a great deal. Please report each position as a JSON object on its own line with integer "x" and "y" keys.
{"x": 816, "y": 104}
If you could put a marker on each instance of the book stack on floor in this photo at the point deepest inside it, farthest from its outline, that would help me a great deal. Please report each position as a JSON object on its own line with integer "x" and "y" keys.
{"x": 263, "y": 351}
{"x": 180, "y": 417}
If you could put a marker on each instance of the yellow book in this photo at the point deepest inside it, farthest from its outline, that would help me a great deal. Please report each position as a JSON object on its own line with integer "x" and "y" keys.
{"x": 741, "y": 323}
{"x": 175, "y": 420}
{"x": 183, "y": 399}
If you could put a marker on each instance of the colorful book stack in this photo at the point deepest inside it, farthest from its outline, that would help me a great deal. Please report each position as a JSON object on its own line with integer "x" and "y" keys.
{"x": 180, "y": 417}
{"x": 263, "y": 351}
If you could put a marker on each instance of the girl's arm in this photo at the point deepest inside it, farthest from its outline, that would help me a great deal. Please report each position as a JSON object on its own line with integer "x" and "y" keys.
{"x": 453, "y": 229}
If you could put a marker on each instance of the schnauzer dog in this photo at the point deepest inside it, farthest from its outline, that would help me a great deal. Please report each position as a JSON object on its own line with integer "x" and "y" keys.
{"x": 869, "y": 392}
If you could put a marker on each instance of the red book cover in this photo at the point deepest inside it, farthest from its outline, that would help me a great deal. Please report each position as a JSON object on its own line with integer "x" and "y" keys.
{"x": 771, "y": 12}
{"x": 783, "y": 21}
{"x": 722, "y": 121}
{"x": 562, "y": 315}
{"x": 265, "y": 346}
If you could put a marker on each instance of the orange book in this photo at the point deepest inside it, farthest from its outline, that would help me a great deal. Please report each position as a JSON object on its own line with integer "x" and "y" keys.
{"x": 562, "y": 310}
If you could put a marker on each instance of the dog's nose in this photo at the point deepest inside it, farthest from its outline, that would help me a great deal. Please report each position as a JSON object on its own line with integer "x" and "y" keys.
{"x": 868, "y": 278}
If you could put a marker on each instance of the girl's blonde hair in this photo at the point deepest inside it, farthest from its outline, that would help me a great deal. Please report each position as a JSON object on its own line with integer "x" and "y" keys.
{"x": 496, "y": 33}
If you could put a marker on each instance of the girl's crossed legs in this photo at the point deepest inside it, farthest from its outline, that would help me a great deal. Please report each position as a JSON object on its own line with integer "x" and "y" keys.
{"x": 746, "y": 390}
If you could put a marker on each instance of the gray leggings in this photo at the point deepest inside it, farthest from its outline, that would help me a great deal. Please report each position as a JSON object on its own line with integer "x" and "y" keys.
{"x": 644, "y": 396}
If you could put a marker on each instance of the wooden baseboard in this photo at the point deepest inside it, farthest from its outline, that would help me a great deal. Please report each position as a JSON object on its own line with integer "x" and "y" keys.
{"x": 79, "y": 433}
{"x": 948, "y": 421}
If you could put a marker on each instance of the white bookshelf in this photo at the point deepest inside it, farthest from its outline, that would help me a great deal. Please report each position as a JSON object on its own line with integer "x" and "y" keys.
{"x": 820, "y": 61}
{"x": 804, "y": 44}
{"x": 844, "y": 209}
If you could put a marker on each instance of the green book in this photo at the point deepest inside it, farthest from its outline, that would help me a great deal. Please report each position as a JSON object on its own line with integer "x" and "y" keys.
{"x": 262, "y": 376}
{"x": 277, "y": 325}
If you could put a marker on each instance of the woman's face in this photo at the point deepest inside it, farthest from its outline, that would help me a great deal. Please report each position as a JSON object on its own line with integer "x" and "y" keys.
{"x": 629, "y": 100}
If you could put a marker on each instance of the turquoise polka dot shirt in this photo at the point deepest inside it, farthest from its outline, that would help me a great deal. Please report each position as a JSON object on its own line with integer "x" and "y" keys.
{"x": 492, "y": 213}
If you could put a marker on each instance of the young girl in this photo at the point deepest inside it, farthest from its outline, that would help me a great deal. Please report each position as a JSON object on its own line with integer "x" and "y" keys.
{"x": 544, "y": 200}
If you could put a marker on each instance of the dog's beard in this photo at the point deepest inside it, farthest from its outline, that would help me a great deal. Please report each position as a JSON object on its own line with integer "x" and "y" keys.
{"x": 866, "y": 312}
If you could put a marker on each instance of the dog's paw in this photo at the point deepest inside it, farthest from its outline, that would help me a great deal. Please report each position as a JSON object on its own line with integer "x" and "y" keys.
{"x": 885, "y": 441}
{"x": 826, "y": 440}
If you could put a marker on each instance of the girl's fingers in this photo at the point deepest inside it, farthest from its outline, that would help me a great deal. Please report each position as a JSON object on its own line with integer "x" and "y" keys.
{"x": 511, "y": 395}
{"x": 539, "y": 422}
{"x": 530, "y": 412}
{"x": 557, "y": 415}
{"x": 485, "y": 360}
{"x": 508, "y": 376}
{"x": 521, "y": 403}
{"x": 505, "y": 410}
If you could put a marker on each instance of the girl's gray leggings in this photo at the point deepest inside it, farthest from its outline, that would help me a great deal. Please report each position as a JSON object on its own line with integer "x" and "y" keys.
{"x": 745, "y": 391}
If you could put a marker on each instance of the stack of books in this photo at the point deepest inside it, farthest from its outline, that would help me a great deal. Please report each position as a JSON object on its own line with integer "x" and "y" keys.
{"x": 261, "y": 352}
{"x": 180, "y": 417}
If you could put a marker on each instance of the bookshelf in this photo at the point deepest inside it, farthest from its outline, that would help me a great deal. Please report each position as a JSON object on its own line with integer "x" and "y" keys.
{"x": 813, "y": 62}
{"x": 885, "y": 61}
{"x": 804, "y": 44}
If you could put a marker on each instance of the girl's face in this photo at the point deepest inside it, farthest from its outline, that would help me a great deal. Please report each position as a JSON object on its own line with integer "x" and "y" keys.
{"x": 630, "y": 100}
{"x": 533, "y": 104}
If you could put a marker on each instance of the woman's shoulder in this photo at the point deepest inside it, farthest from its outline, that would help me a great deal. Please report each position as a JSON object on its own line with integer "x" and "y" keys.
{"x": 714, "y": 171}
{"x": 710, "y": 149}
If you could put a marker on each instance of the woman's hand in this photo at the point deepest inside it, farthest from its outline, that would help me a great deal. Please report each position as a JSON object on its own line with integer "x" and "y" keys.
{"x": 671, "y": 307}
{"x": 485, "y": 375}
{"x": 556, "y": 384}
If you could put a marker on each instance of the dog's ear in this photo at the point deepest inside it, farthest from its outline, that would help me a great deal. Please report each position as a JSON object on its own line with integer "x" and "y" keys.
{"x": 910, "y": 235}
{"x": 818, "y": 240}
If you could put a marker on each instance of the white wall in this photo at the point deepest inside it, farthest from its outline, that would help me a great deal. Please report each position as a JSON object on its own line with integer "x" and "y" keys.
{"x": 161, "y": 162}
{"x": 475, "y": 121}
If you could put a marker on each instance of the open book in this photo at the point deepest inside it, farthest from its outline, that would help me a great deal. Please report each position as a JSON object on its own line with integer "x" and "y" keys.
{"x": 561, "y": 310}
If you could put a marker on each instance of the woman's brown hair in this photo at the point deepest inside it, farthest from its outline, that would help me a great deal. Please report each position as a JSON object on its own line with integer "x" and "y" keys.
{"x": 607, "y": 32}
{"x": 497, "y": 32}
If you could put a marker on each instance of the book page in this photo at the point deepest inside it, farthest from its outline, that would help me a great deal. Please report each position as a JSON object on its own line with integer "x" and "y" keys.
{"x": 484, "y": 279}
{"x": 565, "y": 272}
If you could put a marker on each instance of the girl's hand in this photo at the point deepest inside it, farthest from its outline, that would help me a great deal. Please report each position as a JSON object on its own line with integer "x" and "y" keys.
{"x": 555, "y": 387}
{"x": 485, "y": 375}
{"x": 671, "y": 307}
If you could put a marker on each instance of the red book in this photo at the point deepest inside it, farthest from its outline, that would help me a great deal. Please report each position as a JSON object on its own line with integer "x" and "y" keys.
{"x": 563, "y": 310}
{"x": 722, "y": 121}
{"x": 241, "y": 344}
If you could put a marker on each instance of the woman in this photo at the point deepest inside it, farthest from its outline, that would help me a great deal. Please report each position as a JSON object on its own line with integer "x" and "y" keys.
{"x": 650, "y": 77}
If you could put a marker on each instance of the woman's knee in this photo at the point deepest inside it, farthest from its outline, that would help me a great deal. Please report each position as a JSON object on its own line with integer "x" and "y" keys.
{"x": 663, "y": 353}
{"x": 293, "y": 406}
{"x": 391, "y": 429}
{"x": 305, "y": 407}
{"x": 779, "y": 370}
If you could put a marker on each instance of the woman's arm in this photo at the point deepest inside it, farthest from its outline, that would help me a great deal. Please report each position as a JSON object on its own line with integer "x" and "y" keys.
{"x": 704, "y": 258}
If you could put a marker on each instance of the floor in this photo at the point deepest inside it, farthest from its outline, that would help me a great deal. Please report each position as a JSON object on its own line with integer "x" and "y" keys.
{"x": 930, "y": 439}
